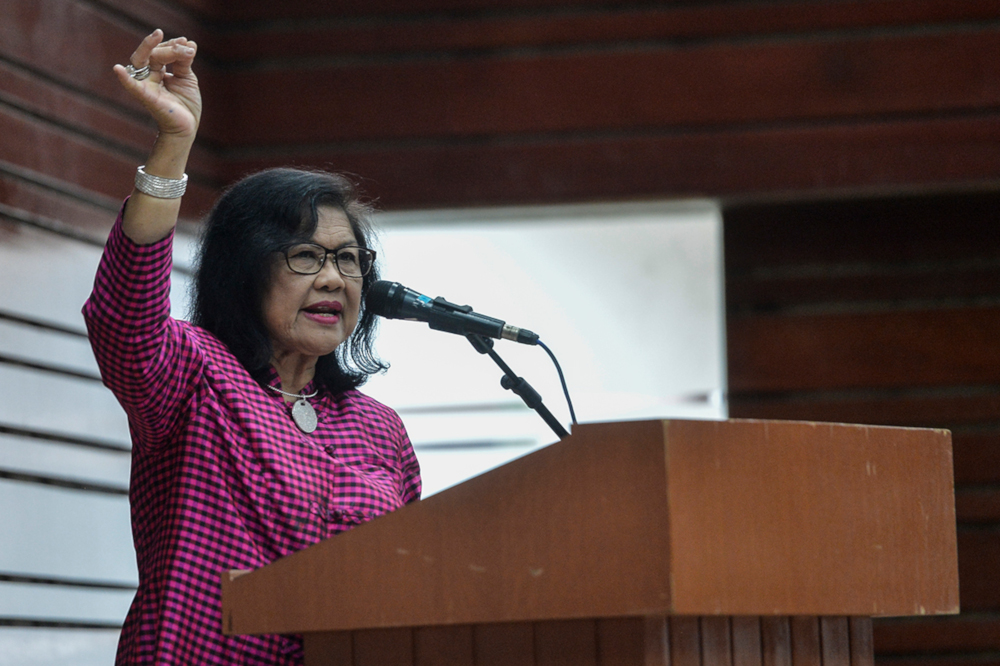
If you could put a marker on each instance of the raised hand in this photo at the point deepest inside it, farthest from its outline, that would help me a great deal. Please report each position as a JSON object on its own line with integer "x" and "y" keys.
{"x": 170, "y": 93}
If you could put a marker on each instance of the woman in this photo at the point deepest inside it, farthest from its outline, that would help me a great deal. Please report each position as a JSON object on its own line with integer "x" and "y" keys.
{"x": 249, "y": 439}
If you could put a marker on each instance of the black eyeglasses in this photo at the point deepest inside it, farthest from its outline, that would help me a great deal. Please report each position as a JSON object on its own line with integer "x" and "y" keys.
{"x": 309, "y": 258}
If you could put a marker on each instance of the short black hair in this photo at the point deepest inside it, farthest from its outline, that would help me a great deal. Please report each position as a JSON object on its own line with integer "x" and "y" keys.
{"x": 249, "y": 223}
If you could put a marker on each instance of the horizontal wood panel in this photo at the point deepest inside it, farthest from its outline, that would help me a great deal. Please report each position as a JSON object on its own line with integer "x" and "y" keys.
{"x": 820, "y": 160}
{"x": 978, "y": 554}
{"x": 128, "y": 130}
{"x": 32, "y": 144}
{"x": 835, "y": 286}
{"x": 392, "y": 33}
{"x": 63, "y": 604}
{"x": 86, "y": 465}
{"x": 944, "y": 408}
{"x": 782, "y": 17}
{"x": 976, "y": 452}
{"x": 966, "y": 633}
{"x": 66, "y": 534}
{"x": 884, "y": 349}
{"x": 33, "y": 196}
{"x": 37, "y": 34}
{"x": 878, "y": 233}
{"x": 978, "y": 505}
{"x": 180, "y": 17}
{"x": 619, "y": 90}
{"x": 80, "y": 647}
{"x": 977, "y": 456}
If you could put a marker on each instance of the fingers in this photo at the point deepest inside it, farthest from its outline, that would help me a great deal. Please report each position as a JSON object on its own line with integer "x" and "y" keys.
{"x": 156, "y": 53}
{"x": 140, "y": 57}
{"x": 180, "y": 57}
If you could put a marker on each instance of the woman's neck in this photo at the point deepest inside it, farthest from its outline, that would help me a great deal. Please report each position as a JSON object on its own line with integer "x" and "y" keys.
{"x": 295, "y": 371}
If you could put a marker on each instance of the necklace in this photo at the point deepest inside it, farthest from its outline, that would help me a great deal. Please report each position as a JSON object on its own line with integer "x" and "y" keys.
{"x": 302, "y": 412}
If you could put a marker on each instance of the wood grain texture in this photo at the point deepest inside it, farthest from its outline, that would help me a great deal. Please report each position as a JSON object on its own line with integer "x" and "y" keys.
{"x": 854, "y": 13}
{"x": 962, "y": 633}
{"x": 566, "y": 642}
{"x": 875, "y": 515}
{"x": 747, "y": 641}
{"x": 876, "y": 232}
{"x": 978, "y": 505}
{"x": 877, "y": 349}
{"x": 861, "y": 641}
{"x": 685, "y": 641}
{"x": 716, "y": 641}
{"x": 946, "y": 407}
{"x": 390, "y": 33}
{"x": 835, "y": 639}
{"x": 817, "y": 159}
{"x": 383, "y": 647}
{"x": 978, "y": 554}
{"x": 765, "y": 548}
{"x": 642, "y": 641}
{"x": 504, "y": 644}
{"x": 776, "y": 641}
{"x": 66, "y": 27}
{"x": 805, "y": 641}
{"x": 79, "y": 161}
{"x": 328, "y": 649}
{"x": 617, "y": 90}
{"x": 443, "y": 646}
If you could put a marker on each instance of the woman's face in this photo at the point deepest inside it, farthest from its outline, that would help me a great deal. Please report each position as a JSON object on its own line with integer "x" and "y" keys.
{"x": 309, "y": 315}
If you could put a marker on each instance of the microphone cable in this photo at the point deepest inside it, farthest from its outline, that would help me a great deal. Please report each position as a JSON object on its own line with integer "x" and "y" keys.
{"x": 562, "y": 380}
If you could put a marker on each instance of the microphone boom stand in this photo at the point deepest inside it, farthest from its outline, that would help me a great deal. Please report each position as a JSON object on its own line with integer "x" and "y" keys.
{"x": 518, "y": 385}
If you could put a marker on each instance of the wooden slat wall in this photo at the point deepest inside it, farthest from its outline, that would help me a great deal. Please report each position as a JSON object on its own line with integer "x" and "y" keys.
{"x": 873, "y": 298}
{"x": 883, "y": 311}
{"x": 506, "y": 101}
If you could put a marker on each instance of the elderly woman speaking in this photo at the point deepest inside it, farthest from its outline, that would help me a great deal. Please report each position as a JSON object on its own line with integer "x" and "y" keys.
{"x": 250, "y": 440}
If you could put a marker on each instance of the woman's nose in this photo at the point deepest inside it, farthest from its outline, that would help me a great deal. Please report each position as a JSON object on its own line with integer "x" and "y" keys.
{"x": 329, "y": 273}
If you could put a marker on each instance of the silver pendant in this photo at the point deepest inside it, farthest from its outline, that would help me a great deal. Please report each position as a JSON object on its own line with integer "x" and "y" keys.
{"x": 304, "y": 415}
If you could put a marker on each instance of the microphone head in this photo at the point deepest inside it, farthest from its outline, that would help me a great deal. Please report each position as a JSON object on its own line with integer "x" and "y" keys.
{"x": 384, "y": 298}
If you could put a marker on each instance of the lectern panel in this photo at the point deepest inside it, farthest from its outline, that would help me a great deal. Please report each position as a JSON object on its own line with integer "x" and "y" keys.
{"x": 746, "y": 641}
{"x": 504, "y": 644}
{"x": 776, "y": 641}
{"x": 638, "y": 641}
{"x": 835, "y": 640}
{"x": 805, "y": 642}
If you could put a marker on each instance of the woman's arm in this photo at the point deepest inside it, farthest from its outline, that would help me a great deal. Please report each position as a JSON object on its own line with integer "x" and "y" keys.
{"x": 172, "y": 97}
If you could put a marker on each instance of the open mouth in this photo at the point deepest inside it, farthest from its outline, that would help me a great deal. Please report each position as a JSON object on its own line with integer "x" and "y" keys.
{"x": 324, "y": 310}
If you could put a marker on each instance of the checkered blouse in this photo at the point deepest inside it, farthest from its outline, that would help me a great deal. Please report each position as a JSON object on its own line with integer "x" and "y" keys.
{"x": 221, "y": 477}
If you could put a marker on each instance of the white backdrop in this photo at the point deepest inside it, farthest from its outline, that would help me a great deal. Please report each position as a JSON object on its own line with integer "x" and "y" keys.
{"x": 629, "y": 297}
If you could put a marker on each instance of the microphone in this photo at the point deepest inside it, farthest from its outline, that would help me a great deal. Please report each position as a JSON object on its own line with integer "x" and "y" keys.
{"x": 394, "y": 301}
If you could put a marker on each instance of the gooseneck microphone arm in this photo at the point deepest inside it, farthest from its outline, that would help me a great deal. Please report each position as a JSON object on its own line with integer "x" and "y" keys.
{"x": 511, "y": 382}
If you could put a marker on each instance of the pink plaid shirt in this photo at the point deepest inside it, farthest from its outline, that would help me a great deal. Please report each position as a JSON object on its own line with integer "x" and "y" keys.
{"x": 221, "y": 477}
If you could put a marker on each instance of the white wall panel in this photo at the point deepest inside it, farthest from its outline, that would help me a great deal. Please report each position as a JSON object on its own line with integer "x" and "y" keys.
{"x": 56, "y": 532}
{"x": 64, "y": 604}
{"x": 50, "y": 348}
{"x": 45, "y": 276}
{"x": 29, "y": 455}
{"x": 53, "y": 403}
{"x": 30, "y": 646}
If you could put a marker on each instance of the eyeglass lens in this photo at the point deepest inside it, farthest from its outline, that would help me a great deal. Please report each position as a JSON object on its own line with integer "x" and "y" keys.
{"x": 308, "y": 259}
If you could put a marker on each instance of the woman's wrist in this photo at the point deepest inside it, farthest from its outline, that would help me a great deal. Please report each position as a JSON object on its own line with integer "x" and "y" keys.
{"x": 169, "y": 156}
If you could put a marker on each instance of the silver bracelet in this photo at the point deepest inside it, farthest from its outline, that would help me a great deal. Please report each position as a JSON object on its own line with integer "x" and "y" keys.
{"x": 161, "y": 188}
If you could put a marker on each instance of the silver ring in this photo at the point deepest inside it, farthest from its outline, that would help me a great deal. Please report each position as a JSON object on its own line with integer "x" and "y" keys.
{"x": 139, "y": 74}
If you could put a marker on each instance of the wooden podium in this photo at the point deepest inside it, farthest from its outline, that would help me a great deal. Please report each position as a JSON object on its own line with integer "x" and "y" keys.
{"x": 737, "y": 543}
